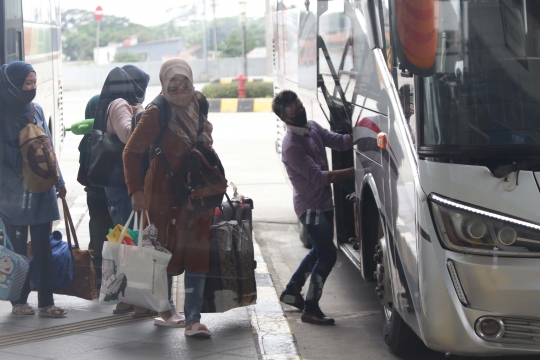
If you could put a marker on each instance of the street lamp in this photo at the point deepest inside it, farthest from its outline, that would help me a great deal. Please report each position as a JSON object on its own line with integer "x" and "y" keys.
{"x": 244, "y": 39}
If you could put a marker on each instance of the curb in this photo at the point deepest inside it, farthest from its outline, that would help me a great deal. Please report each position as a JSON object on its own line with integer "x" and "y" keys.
{"x": 271, "y": 328}
{"x": 240, "y": 105}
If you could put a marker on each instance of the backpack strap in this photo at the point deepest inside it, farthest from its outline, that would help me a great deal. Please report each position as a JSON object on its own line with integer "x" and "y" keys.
{"x": 164, "y": 116}
{"x": 32, "y": 112}
{"x": 203, "y": 110}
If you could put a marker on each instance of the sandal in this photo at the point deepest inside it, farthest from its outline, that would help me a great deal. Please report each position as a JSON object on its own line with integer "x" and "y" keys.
{"x": 197, "y": 330}
{"x": 177, "y": 321}
{"x": 23, "y": 309}
{"x": 145, "y": 313}
{"x": 52, "y": 311}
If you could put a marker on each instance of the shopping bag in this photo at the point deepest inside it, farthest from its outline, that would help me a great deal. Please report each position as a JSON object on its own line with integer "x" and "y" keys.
{"x": 13, "y": 269}
{"x": 135, "y": 275}
{"x": 231, "y": 280}
{"x": 84, "y": 283}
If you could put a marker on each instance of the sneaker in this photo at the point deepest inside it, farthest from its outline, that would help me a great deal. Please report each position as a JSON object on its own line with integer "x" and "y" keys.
{"x": 293, "y": 300}
{"x": 317, "y": 318}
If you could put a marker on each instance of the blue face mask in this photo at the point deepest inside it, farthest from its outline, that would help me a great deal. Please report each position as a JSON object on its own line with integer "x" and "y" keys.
{"x": 300, "y": 119}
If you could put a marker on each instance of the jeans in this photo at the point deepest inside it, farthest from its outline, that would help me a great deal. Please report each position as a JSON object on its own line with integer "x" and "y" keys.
{"x": 41, "y": 251}
{"x": 100, "y": 223}
{"x": 318, "y": 262}
{"x": 120, "y": 203}
{"x": 169, "y": 287}
{"x": 194, "y": 286}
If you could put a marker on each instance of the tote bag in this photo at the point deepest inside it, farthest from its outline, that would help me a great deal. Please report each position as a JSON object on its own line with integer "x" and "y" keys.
{"x": 134, "y": 275}
{"x": 13, "y": 270}
{"x": 84, "y": 281}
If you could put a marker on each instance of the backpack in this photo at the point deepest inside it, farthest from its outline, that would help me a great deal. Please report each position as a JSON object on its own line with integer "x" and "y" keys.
{"x": 39, "y": 165}
{"x": 200, "y": 183}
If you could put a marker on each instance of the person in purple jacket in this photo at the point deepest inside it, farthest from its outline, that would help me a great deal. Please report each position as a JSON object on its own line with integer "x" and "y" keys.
{"x": 304, "y": 156}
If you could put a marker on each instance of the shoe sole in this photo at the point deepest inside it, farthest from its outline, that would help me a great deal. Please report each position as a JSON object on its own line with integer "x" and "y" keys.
{"x": 318, "y": 322}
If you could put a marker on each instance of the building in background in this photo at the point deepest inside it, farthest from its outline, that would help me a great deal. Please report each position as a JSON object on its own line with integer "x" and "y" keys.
{"x": 149, "y": 51}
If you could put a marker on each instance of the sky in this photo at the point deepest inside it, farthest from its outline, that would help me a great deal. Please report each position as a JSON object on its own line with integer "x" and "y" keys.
{"x": 155, "y": 12}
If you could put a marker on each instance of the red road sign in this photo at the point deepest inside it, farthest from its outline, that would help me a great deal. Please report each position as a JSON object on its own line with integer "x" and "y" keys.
{"x": 98, "y": 14}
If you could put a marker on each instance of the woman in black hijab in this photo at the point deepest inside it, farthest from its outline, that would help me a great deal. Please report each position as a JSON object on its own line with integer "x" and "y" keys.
{"x": 120, "y": 99}
{"x": 20, "y": 209}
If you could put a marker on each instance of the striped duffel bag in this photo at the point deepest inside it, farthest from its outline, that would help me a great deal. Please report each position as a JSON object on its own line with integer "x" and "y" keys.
{"x": 13, "y": 269}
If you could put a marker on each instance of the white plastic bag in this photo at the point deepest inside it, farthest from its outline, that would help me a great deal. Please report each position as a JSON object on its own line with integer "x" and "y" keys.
{"x": 135, "y": 275}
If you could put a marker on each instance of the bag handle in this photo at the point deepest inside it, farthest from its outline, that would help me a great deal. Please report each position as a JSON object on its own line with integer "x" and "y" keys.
{"x": 70, "y": 228}
{"x": 7, "y": 242}
{"x": 136, "y": 224}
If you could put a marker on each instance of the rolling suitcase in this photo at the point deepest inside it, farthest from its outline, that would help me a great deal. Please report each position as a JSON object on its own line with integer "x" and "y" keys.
{"x": 231, "y": 280}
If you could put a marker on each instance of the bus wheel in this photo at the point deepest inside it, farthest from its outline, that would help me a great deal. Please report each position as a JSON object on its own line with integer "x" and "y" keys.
{"x": 397, "y": 335}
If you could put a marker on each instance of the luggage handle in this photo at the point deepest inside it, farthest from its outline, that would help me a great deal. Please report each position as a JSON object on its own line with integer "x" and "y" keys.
{"x": 70, "y": 228}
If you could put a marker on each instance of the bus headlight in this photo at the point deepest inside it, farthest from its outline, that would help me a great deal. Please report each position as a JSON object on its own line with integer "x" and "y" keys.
{"x": 465, "y": 228}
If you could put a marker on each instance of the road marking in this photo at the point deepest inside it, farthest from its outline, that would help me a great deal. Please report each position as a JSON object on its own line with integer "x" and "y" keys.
{"x": 276, "y": 340}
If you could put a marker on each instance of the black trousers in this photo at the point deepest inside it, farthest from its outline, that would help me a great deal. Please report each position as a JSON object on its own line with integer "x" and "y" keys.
{"x": 100, "y": 223}
{"x": 41, "y": 252}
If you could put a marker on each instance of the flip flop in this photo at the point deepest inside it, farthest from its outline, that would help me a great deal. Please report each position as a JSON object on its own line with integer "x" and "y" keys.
{"x": 19, "y": 309}
{"x": 196, "y": 331}
{"x": 52, "y": 311}
{"x": 177, "y": 321}
{"x": 124, "y": 311}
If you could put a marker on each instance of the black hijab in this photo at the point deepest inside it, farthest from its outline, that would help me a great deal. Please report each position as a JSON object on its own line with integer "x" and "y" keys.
{"x": 12, "y": 78}
{"x": 128, "y": 83}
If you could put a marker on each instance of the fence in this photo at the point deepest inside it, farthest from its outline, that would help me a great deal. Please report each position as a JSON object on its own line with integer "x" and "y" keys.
{"x": 91, "y": 76}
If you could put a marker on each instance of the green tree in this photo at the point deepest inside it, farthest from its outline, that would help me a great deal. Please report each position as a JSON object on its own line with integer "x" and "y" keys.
{"x": 127, "y": 57}
{"x": 79, "y": 32}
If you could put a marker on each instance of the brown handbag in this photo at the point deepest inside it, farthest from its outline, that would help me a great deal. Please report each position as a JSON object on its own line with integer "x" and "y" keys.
{"x": 83, "y": 284}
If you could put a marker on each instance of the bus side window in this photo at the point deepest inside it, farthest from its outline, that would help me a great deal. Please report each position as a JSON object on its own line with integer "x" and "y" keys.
{"x": 384, "y": 13}
{"x": 12, "y": 32}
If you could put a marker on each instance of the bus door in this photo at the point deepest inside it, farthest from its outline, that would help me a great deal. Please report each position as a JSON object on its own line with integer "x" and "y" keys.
{"x": 11, "y": 26}
{"x": 333, "y": 47}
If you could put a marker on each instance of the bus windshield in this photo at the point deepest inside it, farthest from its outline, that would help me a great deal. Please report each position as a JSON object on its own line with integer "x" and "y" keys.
{"x": 486, "y": 88}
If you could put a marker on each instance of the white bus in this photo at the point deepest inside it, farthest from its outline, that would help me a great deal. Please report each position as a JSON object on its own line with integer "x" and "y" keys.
{"x": 443, "y": 100}
{"x": 30, "y": 31}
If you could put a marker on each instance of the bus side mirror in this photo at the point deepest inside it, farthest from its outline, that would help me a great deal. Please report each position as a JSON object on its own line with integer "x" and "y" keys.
{"x": 415, "y": 30}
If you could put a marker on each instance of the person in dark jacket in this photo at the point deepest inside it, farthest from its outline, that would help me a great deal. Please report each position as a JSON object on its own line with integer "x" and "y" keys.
{"x": 96, "y": 199}
{"x": 19, "y": 208}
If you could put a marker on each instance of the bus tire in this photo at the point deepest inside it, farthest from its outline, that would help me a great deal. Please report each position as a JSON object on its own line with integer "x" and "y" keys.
{"x": 397, "y": 334}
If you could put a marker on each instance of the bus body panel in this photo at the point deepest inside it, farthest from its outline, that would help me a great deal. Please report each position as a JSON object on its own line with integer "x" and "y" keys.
{"x": 358, "y": 73}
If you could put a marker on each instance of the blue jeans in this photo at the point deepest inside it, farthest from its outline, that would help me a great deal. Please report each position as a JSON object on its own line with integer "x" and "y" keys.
{"x": 41, "y": 251}
{"x": 318, "y": 262}
{"x": 120, "y": 203}
{"x": 194, "y": 286}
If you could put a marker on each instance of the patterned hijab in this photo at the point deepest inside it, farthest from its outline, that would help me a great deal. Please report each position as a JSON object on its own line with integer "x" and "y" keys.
{"x": 189, "y": 113}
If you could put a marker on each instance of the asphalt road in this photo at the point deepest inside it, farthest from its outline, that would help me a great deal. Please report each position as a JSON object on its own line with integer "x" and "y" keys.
{"x": 245, "y": 143}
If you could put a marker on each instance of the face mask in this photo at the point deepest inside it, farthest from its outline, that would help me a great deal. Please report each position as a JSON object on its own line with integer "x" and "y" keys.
{"x": 300, "y": 119}
{"x": 26, "y": 96}
{"x": 182, "y": 98}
